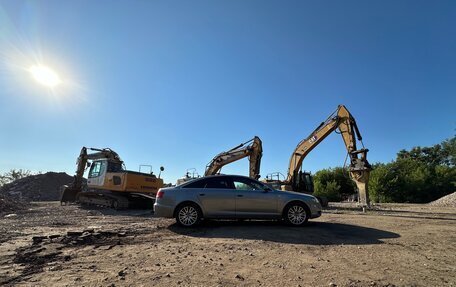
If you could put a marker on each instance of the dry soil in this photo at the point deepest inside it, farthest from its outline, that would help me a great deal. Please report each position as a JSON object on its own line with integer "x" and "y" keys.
{"x": 391, "y": 245}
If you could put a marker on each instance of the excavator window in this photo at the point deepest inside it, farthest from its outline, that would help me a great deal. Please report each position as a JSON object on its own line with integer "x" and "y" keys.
{"x": 97, "y": 168}
{"x": 114, "y": 167}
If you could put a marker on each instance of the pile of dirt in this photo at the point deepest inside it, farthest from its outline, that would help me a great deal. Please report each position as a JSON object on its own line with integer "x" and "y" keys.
{"x": 446, "y": 201}
{"x": 9, "y": 204}
{"x": 40, "y": 187}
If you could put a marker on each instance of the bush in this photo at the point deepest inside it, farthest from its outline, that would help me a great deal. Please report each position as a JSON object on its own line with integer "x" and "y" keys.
{"x": 334, "y": 183}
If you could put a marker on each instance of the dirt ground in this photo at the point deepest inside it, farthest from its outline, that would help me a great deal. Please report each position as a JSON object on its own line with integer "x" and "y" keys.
{"x": 392, "y": 245}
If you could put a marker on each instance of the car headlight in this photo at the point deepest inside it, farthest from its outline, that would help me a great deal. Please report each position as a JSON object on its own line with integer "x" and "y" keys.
{"x": 314, "y": 199}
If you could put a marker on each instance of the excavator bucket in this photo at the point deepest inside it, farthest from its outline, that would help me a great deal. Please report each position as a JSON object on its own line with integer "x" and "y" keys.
{"x": 361, "y": 178}
{"x": 68, "y": 195}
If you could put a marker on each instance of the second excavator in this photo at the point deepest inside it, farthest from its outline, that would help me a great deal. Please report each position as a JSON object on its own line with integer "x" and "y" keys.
{"x": 252, "y": 148}
{"x": 342, "y": 122}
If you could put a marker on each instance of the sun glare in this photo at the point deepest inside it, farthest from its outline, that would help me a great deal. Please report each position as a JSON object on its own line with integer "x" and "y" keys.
{"x": 45, "y": 76}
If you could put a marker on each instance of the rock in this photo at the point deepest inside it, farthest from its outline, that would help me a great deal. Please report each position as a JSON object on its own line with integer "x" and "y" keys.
{"x": 74, "y": 233}
{"x": 56, "y": 268}
{"x": 10, "y": 215}
{"x": 122, "y": 273}
{"x": 240, "y": 277}
{"x": 38, "y": 239}
{"x": 332, "y": 284}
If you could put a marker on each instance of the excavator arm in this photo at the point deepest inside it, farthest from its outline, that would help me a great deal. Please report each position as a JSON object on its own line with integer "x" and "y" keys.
{"x": 342, "y": 122}
{"x": 252, "y": 149}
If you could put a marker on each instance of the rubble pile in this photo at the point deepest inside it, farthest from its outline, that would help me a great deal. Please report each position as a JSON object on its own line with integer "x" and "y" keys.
{"x": 8, "y": 204}
{"x": 446, "y": 201}
{"x": 40, "y": 187}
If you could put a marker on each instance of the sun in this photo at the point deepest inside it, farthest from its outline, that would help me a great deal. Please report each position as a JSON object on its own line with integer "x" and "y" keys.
{"x": 45, "y": 76}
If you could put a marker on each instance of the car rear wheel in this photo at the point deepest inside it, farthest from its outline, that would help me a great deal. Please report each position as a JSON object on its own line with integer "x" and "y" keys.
{"x": 188, "y": 215}
{"x": 296, "y": 214}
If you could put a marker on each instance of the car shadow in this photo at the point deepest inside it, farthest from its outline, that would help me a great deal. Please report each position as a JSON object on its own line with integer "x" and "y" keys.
{"x": 97, "y": 210}
{"x": 314, "y": 233}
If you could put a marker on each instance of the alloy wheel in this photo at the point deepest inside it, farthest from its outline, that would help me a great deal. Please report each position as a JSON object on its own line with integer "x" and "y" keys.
{"x": 297, "y": 215}
{"x": 188, "y": 215}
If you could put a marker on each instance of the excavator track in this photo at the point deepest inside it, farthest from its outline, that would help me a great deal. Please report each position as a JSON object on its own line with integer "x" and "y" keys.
{"x": 115, "y": 200}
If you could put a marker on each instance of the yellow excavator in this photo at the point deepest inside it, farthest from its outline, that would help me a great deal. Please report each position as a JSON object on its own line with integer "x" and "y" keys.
{"x": 343, "y": 123}
{"x": 109, "y": 183}
{"x": 252, "y": 148}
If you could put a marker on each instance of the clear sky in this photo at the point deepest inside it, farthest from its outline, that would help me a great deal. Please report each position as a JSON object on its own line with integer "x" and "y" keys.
{"x": 173, "y": 83}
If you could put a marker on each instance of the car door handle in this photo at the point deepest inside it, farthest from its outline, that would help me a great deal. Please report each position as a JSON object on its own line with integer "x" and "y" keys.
{"x": 202, "y": 194}
{"x": 240, "y": 195}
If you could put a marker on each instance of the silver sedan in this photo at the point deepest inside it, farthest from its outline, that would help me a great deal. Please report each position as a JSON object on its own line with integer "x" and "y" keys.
{"x": 233, "y": 197}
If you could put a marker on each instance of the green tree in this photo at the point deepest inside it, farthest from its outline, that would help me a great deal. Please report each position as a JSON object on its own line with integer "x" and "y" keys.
{"x": 420, "y": 175}
{"x": 333, "y": 183}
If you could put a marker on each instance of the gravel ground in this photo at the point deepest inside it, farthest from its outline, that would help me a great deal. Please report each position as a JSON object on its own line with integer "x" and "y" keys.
{"x": 446, "y": 201}
{"x": 391, "y": 245}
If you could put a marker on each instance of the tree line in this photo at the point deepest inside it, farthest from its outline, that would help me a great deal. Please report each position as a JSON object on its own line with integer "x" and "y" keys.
{"x": 419, "y": 175}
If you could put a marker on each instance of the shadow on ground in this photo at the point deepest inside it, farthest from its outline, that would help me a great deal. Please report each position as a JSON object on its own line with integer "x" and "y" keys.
{"x": 96, "y": 210}
{"x": 315, "y": 233}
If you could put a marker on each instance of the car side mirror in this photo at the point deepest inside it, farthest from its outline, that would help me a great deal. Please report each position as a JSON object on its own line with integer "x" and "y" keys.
{"x": 267, "y": 189}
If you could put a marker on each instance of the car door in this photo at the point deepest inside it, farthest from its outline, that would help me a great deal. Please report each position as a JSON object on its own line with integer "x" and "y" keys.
{"x": 217, "y": 197}
{"x": 253, "y": 201}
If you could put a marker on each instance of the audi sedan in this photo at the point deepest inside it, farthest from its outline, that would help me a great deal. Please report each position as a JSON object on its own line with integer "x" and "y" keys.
{"x": 233, "y": 197}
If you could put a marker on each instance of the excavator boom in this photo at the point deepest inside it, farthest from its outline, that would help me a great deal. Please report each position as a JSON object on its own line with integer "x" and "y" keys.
{"x": 252, "y": 149}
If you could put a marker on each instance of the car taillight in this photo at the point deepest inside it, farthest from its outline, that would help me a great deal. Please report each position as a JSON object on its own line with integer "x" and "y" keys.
{"x": 160, "y": 194}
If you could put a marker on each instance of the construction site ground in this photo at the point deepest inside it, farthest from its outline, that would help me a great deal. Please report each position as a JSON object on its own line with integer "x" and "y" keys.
{"x": 392, "y": 245}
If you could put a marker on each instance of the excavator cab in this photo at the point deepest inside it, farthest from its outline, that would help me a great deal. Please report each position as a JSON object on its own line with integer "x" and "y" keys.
{"x": 304, "y": 182}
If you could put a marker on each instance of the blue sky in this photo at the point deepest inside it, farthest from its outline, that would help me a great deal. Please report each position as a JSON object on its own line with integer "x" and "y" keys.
{"x": 174, "y": 83}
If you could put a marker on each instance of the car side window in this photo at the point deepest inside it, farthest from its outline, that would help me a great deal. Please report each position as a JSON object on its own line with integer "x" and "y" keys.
{"x": 197, "y": 184}
{"x": 245, "y": 184}
{"x": 221, "y": 183}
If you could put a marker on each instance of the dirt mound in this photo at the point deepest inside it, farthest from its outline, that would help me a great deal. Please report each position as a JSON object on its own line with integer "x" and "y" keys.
{"x": 40, "y": 187}
{"x": 9, "y": 204}
{"x": 448, "y": 201}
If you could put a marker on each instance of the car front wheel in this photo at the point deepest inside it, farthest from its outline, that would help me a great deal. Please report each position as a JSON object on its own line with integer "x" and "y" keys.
{"x": 188, "y": 215}
{"x": 296, "y": 214}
